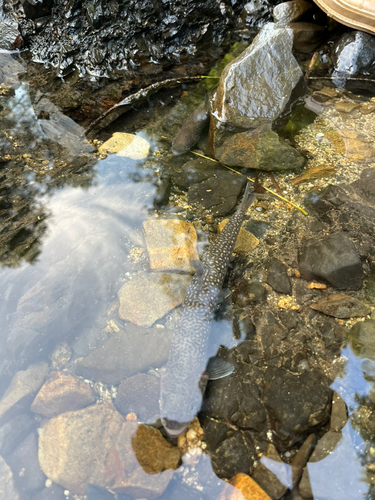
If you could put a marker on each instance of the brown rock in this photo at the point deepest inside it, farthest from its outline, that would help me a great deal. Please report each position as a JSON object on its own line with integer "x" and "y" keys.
{"x": 21, "y": 389}
{"x": 290, "y": 11}
{"x": 325, "y": 446}
{"x": 125, "y": 475}
{"x": 300, "y": 459}
{"x": 149, "y": 296}
{"x": 153, "y": 452}
{"x": 128, "y": 145}
{"x": 7, "y": 489}
{"x": 62, "y": 392}
{"x": 266, "y": 479}
{"x": 339, "y": 414}
{"x": 306, "y": 36}
{"x": 73, "y": 447}
{"x": 246, "y": 241}
{"x": 171, "y": 244}
{"x": 341, "y": 306}
{"x": 314, "y": 173}
{"x": 247, "y": 487}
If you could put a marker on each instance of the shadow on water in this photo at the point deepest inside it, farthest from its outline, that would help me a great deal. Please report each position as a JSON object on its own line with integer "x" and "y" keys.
{"x": 71, "y": 238}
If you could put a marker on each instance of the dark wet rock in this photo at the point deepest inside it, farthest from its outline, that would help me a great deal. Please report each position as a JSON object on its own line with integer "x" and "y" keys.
{"x": 217, "y": 194}
{"x": 333, "y": 260}
{"x": 295, "y": 403}
{"x": 7, "y": 488}
{"x": 126, "y": 353}
{"x": 306, "y": 36}
{"x": 246, "y": 293}
{"x": 101, "y": 39}
{"x": 353, "y": 53}
{"x": 277, "y": 277}
{"x": 25, "y": 465}
{"x": 73, "y": 447}
{"x": 21, "y": 390}
{"x": 62, "y": 392}
{"x": 265, "y": 477}
{"x": 289, "y": 12}
{"x": 256, "y": 14}
{"x": 163, "y": 192}
{"x": 14, "y": 431}
{"x": 365, "y": 186}
{"x": 235, "y": 454}
{"x": 339, "y": 413}
{"x": 153, "y": 452}
{"x": 261, "y": 149}
{"x": 139, "y": 394}
{"x": 191, "y": 130}
{"x": 53, "y": 492}
{"x": 325, "y": 446}
{"x": 341, "y": 306}
{"x": 196, "y": 171}
{"x": 299, "y": 461}
{"x": 137, "y": 296}
{"x": 243, "y": 98}
{"x": 362, "y": 337}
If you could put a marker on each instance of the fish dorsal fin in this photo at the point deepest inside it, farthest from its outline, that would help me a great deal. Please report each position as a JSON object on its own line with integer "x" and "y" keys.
{"x": 218, "y": 368}
{"x": 200, "y": 269}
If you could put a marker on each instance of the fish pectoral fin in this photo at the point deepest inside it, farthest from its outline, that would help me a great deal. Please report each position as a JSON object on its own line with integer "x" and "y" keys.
{"x": 218, "y": 368}
{"x": 224, "y": 294}
{"x": 199, "y": 268}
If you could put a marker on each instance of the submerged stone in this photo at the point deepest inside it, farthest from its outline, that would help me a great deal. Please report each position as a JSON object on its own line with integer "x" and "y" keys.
{"x": 149, "y": 296}
{"x": 259, "y": 83}
{"x": 126, "y": 353}
{"x": 171, "y": 244}
{"x": 289, "y": 12}
{"x": 277, "y": 277}
{"x": 333, "y": 260}
{"x": 191, "y": 130}
{"x": 7, "y": 488}
{"x": 306, "y": 36}
{"x": 245, "y": 243}
{"x": 139, "y": 394}
{"x": 362, "y": 337}
{"x": 128, "y": 145}
{"x": 247, "y": 486}
{"x": 341, "y": 306}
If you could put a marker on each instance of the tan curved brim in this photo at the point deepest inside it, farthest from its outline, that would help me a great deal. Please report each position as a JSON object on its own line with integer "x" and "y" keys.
{"x": 359, "y": 14}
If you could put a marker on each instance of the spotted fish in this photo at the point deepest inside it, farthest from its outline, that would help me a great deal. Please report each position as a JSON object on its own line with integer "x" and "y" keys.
{"x": 184, "y": 377}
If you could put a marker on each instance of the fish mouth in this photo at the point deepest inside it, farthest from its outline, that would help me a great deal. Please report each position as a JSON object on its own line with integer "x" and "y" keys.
{"x": 174, "y": 428}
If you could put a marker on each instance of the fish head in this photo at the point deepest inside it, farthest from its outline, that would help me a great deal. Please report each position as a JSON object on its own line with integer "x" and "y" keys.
{"x": 174, "y": 428}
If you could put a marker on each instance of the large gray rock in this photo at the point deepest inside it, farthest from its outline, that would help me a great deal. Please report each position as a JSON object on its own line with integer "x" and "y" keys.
{"x": 126, "y": 353}
{"x": 333, "y": 260}
{"x": 258, "y": 84}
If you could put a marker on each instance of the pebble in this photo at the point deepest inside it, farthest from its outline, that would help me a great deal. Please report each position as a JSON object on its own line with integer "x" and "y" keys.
{"x": 127, "y": 145}
{"x": 245, "y": 242}
{"x": 341, "y": 306}
{"x": 148, "y": 297}
{"x": 62, "y": 392}
{"x": 171, "y": 244}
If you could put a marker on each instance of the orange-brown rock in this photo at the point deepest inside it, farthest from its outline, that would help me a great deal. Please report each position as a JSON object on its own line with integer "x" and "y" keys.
{"x": 246, "y": 488}
{"x": 246, "y": 241}
{"x": 62, "y": 392}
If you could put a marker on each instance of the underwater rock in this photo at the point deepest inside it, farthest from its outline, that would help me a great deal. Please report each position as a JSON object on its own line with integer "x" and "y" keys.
{"x": 147, "y": 297}
{"x": 245, "y": 243}
{"x": 266, "y": 479}
{"x": 127, "y": 145}
{"x": 74, "y": 447}
{"x": 277, "y": 277}
{"x": 53, "y": 492}
{"x": 25, "y": 465}
{"x": 7, "y": 489}
{"x": 139, "y": 394}
{"x": 126, "y": 353}
{"x": 353, "y": 53}
{"x": 261, "y": 149}
{"x": 14, "y": 431}
{"x": 171, "y": 244}
{"x": 258, "y": 84}
{"x": 191, "y": 130}
{"x": 341, "y": 306}
{"x": 362, "y": 337}
{"x": 290, "y": 12}
{"x": 333, "y": 260}
{"x": 218, "y": 194}
{"x": 249, "y": 489}
{"x": 21, "y": 390}
{"x": 62, "y": 392}
{"x": 339, "y": 413}
{"x": 285, "y": 396}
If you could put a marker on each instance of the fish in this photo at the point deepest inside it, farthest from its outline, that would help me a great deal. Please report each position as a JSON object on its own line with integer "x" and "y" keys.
{"x": 191, "y": 130}
{"x": 185, "y": 375}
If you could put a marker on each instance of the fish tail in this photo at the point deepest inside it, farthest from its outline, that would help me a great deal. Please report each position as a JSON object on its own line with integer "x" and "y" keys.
{"x": 248, "y": 198}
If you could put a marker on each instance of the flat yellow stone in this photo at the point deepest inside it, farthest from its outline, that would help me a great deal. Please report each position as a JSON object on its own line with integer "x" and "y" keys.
{"x": 127, "y": 145}
{"x": 288, "y": 303}
{"x": 246, "y": 241}
{"x": 171, "y": 244}
{"x": 246, "y": 488}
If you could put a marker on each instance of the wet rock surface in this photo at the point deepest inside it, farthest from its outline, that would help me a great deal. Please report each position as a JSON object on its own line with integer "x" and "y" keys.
{"x": 14, "y": 431}
{"x": 341, "y": 306}
{"x": 353, "y": 53}
{"x": 136, "y": 296}
{"x": 139, "y": 394}
{"x": 277, "y": 277}
{"x": 126, "y": 353}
